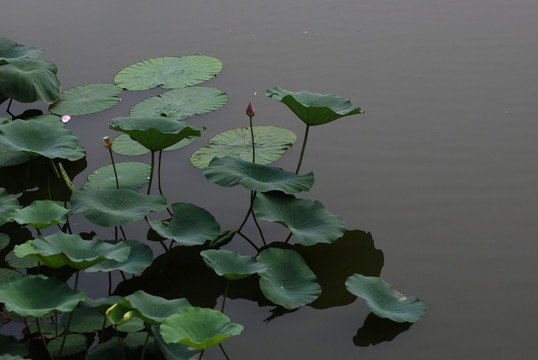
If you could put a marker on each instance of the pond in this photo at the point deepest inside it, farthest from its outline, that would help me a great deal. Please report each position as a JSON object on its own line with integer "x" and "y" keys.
{"x": 441, "y": 169}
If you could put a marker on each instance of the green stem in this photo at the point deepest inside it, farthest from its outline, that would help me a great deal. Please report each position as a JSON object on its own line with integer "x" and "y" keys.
{"x": 225, "y": 295}
{"x": 145, "y": 345}
{"x": 302, "y": 149}
{"x": 120, "y": 342}
{"x": 151, "y": 170}
{"x": 114, "y": 167}
{"x": 43, "y": 339}
{"x": 159, "y": 171}
{"x": 201, "y": 354}
{"x": 68, "y": 320}
{"x": 252, "y": 140}
{"x": 224, "y": 352}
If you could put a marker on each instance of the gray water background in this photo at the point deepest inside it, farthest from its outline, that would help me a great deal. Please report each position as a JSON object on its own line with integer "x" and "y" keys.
{"x": 442, "y": 169}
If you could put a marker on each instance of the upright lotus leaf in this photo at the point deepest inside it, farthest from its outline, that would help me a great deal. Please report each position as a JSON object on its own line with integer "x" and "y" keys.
{"x": 231, "y": 265}
{"x": 308, "y": 220}
{"x": 181, "y": 104}
{"x": 11, "y": 51}
{"x": 190, "y": 225}
{"x": 288, "y": 281}
{"x": 383, "y": 300}
{"x": 124, "y": 145}
{"x": 270, "y": 143}
{"x": 40, "y": 214}
{"x": 200, "y": 328}
{"x": 228, "y": 171}
{"x": 133, "y": 175}
{"x": 154, "y": 133}
{"x": 86, "y": 99}
{"x": 171, "y": 351}
{"x": 19, "y": 295}
{"x": 140, "y": 257}
{"x": 45, "y": 137}
{"x": 60, "y": 249}
{"x": 115, "y": 207}
{"x": 313, "y": 108}
{"x": 30, "y": 80}
{"x": 7, "y": 205}
{"x": 168, "y": 72}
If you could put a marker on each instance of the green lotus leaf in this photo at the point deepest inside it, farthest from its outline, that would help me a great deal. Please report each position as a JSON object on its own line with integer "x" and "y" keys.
{"x": 30, "y": 80}
{"x": 140, "y": 257}
{"x": 228, "y": 171}
{"x": 40, "y": 214}
{"x": 6, "y": 274}
{"x": 313, "y": 108}
{"x": 124, "y": 145}
{"x": 154, "y": 133}
{"x": 60, "y": 249}
{"x": 7, "y": 205}
{"x": 12, "y": 157}
{"x": 11, "y": 348}
{"x": 168, "y": 72}
{"x": 86, "y": 99}
{"x": 11, "y": 51}
{"x": 181, "y": 104}
{"x": 102, "y": 304}
{"x": 200, "y": 328}
{"x": 84, "y": 320}
{"x": 172, "y": 351}
{"x": 20, "y": 263}
{"x": 231, "y": 265}
{"x": 383, "y": 300}
{"x": 133, "y": 175}
{"x": 308, "y": 220}
{"x": 48, "y": 330}
{"x": 270, "y": 143}
{"x": 45, "y": 137}
{"x": 19, "y": 295}
{"x": 115, "y": 207}
{"x": 74, "y": 344}
{"x": 153, "y": 309}
{"x": 288, "y": 281}
{"x": 11, "y": 357}
{"x": 190, "y": 225}
{"x": 4, "y": 239}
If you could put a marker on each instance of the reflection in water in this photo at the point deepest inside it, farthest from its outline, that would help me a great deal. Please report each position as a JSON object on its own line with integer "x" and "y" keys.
{"x": 376, "y": 330}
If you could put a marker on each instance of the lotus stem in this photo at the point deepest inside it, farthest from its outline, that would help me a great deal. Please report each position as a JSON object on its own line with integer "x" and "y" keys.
{"x": 151, "y": 170}
{"x": 225, "y": 295}
{"x": 68, "y": 320}
{"x": 252, "y": 140}
{"x": 145, "y": 345}
{"x": 302, "y": 149}
{"x": 224, "y": 352}
{"x": 120, "y": 342}
{"x": 43, "y": 339}
{"x": 201, "y": 354}
{"x": 8, "y": 106}
{"x": 108, "y": 145}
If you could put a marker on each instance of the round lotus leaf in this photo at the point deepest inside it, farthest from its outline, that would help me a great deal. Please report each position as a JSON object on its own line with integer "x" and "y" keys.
{"x": 308, "y": 220}
{"x": 313, "y": 108}
{"x": 11, "y": 51}
{"x": 30, "y": 80}
{"x": 124, "y": 145}
{"x": 20, "y": 263}
{"x": 270, "y": 143}
{"x": 40, "y": 214}
{"x": 383, "y": 300}
{"x": 190, "y": 225}
{"x": 181, "y": 104}
{"x": 132, "y": 175}
{"x": 200, "y": 328}
{"x": 86, "y": 99}
{"x": 36, "y": 296}
{"x": 154, "y": 133}
{"x": 140, "y": 257}
{"x": 231, "y": 265}
{"x": 168, "y": 72}
{"x": 45, "y": 137}
{"x": 228, "y": 171}
{"x": 115, "y": 207}
{"x": 74, "y": 344}
{"x": 7, "y": 205}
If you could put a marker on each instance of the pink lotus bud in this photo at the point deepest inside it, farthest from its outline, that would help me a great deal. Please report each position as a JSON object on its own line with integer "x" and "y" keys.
{"x": 107, "y": 142}
{"x": 65, "y": 118}
{"x": 250, "y": 110}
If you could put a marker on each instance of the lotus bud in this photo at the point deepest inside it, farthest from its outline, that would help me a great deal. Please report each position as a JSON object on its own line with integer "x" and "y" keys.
{"x": 250, "y": 110}
{"x": 107, "y": 142}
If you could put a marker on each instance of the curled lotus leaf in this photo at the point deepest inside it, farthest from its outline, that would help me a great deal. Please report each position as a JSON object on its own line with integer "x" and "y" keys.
{"x": 40, "y": 214}
{"x": 11, "y": 51}
{"x": 231, "y": 265}
{"x": 30, "y": 80}
{"x": 140, "y": 258}
{"x": 86, "y": 99}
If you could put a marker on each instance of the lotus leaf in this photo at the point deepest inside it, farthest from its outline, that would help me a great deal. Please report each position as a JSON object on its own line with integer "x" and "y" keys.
{"x": 40, "y": 214}
{"x": 190, "y": 225}
{"x": 168, "y": 72}
{"x": 228, "y": 171}
{"x": 20, "y": 263}
{"x": 7, "y": 205}
{"x": 231, "y": 265}
{"x": 383, "y": 300}
{"x": 181, "y": 104}
{"x": 86, "y": 99}
{"x": 132, "y": 175}
{"x": 154, "y": 133}
{"x": 11, "y": 51}
{"x": 172, "y": 351}
{"x": 74, "y": 344}
{"x": 4, "y": 240}
{"x": 118, "y": 314}
{"x": 84, "y": 320}
{"x": 270, "y": 143}
{"x": 200, "y": 328}
{"x": 30, "y": 80}
{"x": 140, "y": 257}
{"x": 10, "y": 345}
{"x": 308, "y": 220}
{"x": 18, "y": 295}
{"x": 313, "y": 108}
{"x": 124, "y": 145}
{"x": 60, "y": 249}
{"x": 6, "y": 274}
{"x": 115, "y": 207}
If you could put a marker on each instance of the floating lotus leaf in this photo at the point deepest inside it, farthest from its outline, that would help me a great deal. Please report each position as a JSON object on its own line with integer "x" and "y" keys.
{"x": 40, "y": 214}
{"x": 60, "y": 249}
{"x": 308, "y": 220}
{"x": 115, "y": 207}
{"x": 11, "y": 51}
{"x": 86, "y": 99}
{"x": 270, "y": 142}
{"x": 228, "y": 171}
{"x": 132, "y": 175}
{"x": 30, "y": 80}
{"x": 140, "y": 257}
{"x": 74, "y": 344}
{"x": 200, "y": 328}
{"x": 168, "y": 72}
{"x": 190, "y": 225}
{"x": 154, "y": 133}
{"x": 231, "y": 265}
{"x": 40, "y": 137}
{"x": 383, "y": 300}
{"x": 124, "y": 145}
{"x": 7, "y": 205}
{"x": 181, "y": 104}
{"x": 313, "y": 108}
{"x": 19, "y": 295}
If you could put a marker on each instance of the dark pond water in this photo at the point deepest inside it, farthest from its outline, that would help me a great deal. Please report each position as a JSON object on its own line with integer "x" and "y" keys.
{"x": 442, "y": 169}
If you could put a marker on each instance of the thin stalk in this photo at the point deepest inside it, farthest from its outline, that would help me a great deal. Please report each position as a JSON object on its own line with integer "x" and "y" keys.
{"x": 305, "y": 139}
{"x": 109, "y": 283}
{"x": 123, "y": 233}
{"x": 114, "y": 167}
{"x": 201, "y": 354}
{"x": 249, "y": 241}
{"x": 224, "y": 352}
{"x": 145, "y": 345}
{"x": 159, "y": 178}
{"x": 252, "y": 140}
{"x": 68, "y": 320}
{"x": 225, "y": 295}
{"x": 120, "y": 342}
{"x": 151, "y": 170}
{"x": 8, "y": 106}
{"x": 43, "y": 339}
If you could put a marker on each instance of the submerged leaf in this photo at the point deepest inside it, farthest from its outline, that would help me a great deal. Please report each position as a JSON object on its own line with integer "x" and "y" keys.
{"x": 86, "y": 99}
